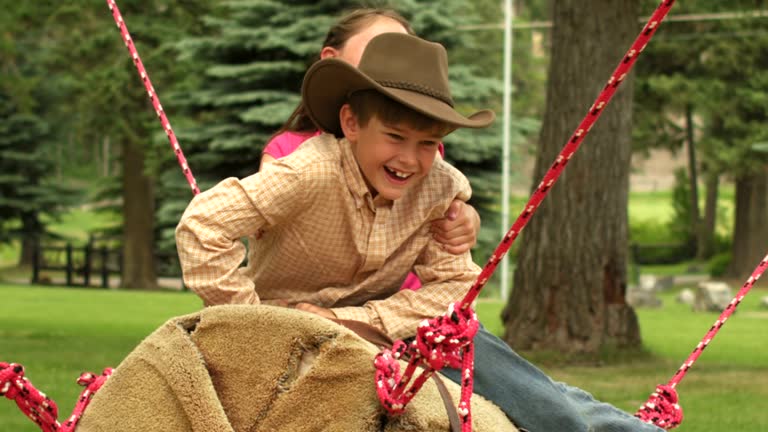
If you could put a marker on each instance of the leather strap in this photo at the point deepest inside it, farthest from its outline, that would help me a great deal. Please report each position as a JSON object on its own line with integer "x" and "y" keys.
{"x": 380, "y": 339}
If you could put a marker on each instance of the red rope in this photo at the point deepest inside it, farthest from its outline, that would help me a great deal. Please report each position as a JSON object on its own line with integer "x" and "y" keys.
{"x": 662, "y": 408}
{"x": 37, "y": 406}
{"x": 448, "y": 339}
{"x": 153, "y": 96}
{"x": 392, "y": 388}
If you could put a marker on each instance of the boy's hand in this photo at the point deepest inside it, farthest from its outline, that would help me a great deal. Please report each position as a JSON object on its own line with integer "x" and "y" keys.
{"x": 457, "y": 231}
{"x": 317, "y": 310}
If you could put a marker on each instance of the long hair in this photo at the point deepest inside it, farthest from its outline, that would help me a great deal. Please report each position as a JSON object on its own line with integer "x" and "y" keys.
{"x": 345, "y": 28}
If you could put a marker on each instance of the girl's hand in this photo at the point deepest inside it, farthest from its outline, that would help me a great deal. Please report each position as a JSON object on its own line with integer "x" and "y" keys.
{"x": 457, "y": 231}
{"x": 317, "y": 310}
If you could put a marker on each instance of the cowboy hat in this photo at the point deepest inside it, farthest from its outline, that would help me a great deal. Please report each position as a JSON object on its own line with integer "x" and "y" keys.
{"x": 410, "y": 70}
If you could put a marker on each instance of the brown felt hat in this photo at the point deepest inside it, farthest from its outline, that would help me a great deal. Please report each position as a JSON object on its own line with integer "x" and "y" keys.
{"x": 408, "y": 69}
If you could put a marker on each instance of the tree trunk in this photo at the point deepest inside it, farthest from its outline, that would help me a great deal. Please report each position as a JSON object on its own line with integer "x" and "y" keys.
{"x": 693, "y": 176}
{"x": 570, "y": 282}
{"x": 32, "y": 230}
{"x": 750, "y": 232}
{"x": 138, "y": 220}
{"x": 706, "y": 242}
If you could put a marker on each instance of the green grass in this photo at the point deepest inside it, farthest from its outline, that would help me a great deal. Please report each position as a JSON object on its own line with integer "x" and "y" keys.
{"x": 723, "y": 391}
{"x": 56, "y": 333}
{"x": 650, "y": 206}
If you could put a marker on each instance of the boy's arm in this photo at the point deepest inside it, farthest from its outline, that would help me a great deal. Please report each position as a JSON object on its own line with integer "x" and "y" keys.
{"x": 446, "y": 278}
{"x": 208, "y": 235}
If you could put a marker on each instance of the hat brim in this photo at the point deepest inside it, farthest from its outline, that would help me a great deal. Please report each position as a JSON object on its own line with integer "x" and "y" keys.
{"x": 328, "y": 83}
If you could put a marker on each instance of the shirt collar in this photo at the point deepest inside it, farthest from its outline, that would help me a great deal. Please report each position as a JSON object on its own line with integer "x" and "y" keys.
{"x": 356, "y": 181}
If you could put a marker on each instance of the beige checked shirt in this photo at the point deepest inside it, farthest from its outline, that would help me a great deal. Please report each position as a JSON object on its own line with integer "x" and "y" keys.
{"x": 326, "y": 240}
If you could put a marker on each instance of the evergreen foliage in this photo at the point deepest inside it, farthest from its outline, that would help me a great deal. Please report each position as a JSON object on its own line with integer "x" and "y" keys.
{"x": 251, "y": 60}
{"x": 24, "y": 165}
{"x": 713, "y": 73}
{"x": 720, "y": 68}
{"x": 28, "y": 190}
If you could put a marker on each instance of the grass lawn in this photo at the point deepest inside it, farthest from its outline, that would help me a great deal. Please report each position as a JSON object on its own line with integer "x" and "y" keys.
{"x": 56, "y": 333}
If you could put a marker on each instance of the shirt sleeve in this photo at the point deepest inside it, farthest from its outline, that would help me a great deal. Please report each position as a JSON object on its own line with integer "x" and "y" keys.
{"x": 446, "y": 278}
{"x": 208, "y": 237}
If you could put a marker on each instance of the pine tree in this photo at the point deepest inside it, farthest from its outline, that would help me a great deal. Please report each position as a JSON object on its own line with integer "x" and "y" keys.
{"x": 27, "y": 190}
{"x": 712, "y": 71}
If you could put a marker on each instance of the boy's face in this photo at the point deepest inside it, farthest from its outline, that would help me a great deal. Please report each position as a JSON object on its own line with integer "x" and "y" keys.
{"x": 392, "y": 157}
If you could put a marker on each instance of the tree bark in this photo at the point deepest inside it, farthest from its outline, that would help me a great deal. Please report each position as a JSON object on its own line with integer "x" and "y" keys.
{"x": 33, "y": 230}
{"x": 570, "y": 282}
{"x": 706, "y": 243}
{"x": 750, "y": 232}
{"x": 693, "y": 177}
{"x": 138, "y": 220}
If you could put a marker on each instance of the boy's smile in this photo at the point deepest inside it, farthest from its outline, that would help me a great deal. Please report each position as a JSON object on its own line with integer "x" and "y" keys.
{"x": 392, "y": 158}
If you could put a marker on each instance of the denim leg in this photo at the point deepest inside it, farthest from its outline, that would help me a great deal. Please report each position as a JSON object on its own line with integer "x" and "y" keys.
{"x": 603, "y": 417}
{"x": 535, "y": 402}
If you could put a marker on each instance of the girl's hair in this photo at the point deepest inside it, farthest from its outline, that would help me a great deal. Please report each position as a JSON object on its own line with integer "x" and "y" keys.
{"x": 347, "y": 26}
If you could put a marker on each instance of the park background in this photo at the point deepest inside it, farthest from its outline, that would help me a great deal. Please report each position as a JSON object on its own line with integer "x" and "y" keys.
{"x": 672, "y": 183}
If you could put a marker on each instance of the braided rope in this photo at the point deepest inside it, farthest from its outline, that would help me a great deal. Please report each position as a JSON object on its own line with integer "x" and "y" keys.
{"x": 392, "y": 388}
{"x": 153, "y": 96}
{"x": 662, "y": 408}
{"x": 37, "y": 406}
{"x": 438, "y": 342}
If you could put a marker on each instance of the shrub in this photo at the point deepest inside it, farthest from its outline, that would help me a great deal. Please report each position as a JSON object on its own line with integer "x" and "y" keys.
{"x": 719, "y": 263}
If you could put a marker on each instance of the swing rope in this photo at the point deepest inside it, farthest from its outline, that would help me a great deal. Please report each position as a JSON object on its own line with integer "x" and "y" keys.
{"x": 662, "y": 408}
{"x": 13, "y": 385}
{"x": 153, "y": 97}
{"x": 442, "y": 341}
{"x": 37, "y": 406}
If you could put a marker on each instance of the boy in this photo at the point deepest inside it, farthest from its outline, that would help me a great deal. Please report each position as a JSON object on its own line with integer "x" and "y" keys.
{"x": 348, "y": 218}
{"x": 345, "y": 218}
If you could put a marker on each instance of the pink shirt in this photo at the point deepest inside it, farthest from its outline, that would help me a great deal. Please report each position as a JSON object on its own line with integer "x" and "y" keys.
{"x": 285, "y": 144}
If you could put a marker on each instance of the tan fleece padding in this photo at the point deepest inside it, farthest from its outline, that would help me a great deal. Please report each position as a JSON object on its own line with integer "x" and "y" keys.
{"x": 261, "y": 368}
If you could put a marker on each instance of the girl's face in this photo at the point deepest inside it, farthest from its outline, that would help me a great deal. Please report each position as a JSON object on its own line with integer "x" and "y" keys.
{"x": 352, "y": 50}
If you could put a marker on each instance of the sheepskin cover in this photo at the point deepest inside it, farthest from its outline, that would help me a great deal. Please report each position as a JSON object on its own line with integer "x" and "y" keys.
{"x": 261, "y": 368}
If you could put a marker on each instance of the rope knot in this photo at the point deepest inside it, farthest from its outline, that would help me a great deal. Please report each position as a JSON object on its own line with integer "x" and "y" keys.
{"x": 32, "y": 402}
{"x": 11, "y": 380}
{"x": 89, "y": 379}
{"x": 662, "y": 408}
{"x": 37, "y": 406}
{"x": 389, "y": 378}
{"x": 441, "y": 341}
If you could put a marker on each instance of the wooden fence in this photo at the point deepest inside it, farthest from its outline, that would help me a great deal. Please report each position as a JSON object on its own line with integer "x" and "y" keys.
{"x": 79, "y": 264}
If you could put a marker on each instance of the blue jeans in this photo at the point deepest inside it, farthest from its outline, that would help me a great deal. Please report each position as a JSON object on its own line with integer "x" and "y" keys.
{"x": 535, "y": 402}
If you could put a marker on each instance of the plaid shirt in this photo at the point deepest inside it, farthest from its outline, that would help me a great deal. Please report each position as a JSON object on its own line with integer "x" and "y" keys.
{"x": 326, "y": 240}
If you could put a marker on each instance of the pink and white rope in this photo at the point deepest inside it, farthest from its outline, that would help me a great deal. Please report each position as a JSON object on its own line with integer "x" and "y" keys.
{"x": 393, "y": 389}
{"x": 153, "y": 96}
{"x": 662, "y": 408}
{"x": 37, "y": 406}
{"x": 445, "y": 340}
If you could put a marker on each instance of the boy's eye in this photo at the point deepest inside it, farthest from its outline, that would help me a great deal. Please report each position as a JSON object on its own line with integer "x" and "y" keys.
{"x": 395, "y": 136}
